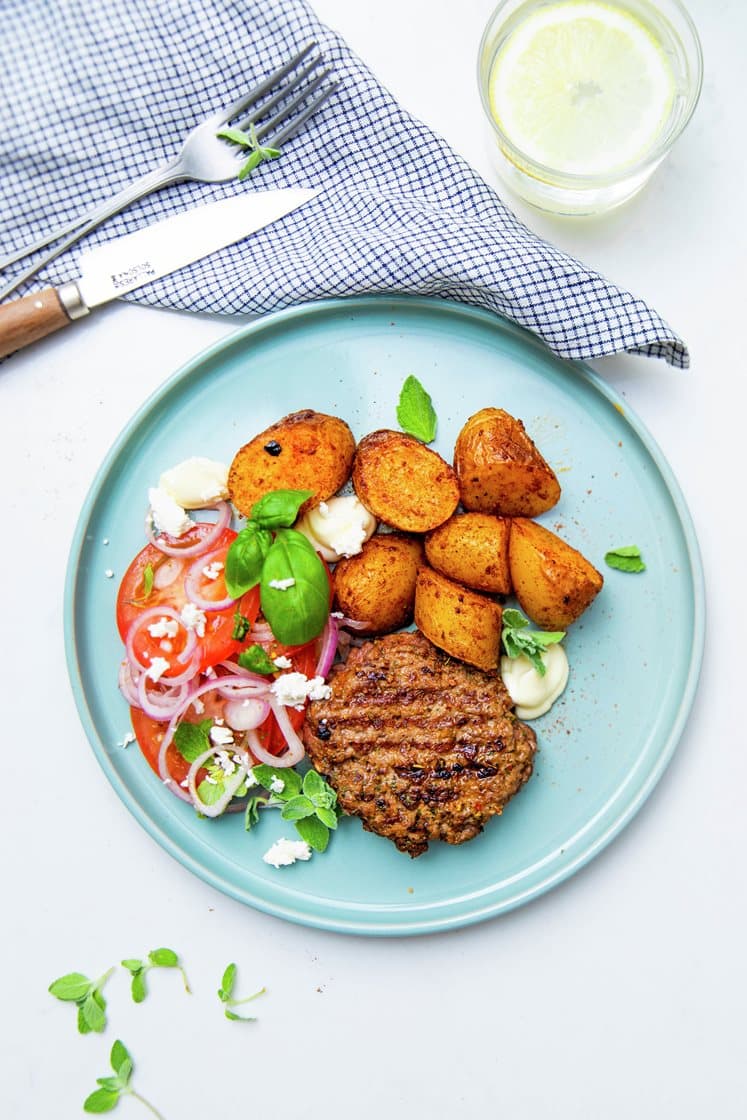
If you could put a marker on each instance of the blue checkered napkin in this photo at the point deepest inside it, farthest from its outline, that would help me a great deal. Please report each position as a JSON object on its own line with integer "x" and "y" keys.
{"x": 95, "y": 94}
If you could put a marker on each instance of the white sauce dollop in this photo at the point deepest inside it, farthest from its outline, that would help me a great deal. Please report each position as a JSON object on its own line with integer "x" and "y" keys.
{"x": 338, "y": 528}
{"x": 532, "y": 693}
{"x": 196, "y": 483}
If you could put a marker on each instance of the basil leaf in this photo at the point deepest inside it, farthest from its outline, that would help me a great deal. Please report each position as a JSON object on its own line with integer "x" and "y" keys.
{"x": 244, "y": 559}
{"x": 299, "y": 613}
{"x": 314, "y": 832}
{"x": 192, "y": 739}
{"x": 415, "y": 412}
{"x": 257, "y": 660}
{"x": 627, "y": 558}
{"x": 279, "y": 509}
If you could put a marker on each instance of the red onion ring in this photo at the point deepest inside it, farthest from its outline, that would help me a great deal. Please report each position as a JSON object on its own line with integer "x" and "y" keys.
{"x": 142, "y": 619}
{"x": 232, "y": 783}
{"x": 166, "y": 574}
{"x": 246, "y": 713}
{"x": 191, "y": 582}
{"x": 127, "y": 685}
{"x": 352, "y": 623}
{"x": 203, "y": 545}
{"x": 261, "y": 633}
{"x": 160, "y": 706}
{"x": 245, "y": 674}
{"x": 296, "y": 750}
{"x": 330, "y": 636}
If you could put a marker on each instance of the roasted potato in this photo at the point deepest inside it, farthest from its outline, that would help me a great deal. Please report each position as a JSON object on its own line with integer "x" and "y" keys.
{"x": 463, "y": 623}
{"x": 403, "y": 482}
{"x": 304, "y": 451}
{"x": 499, "y": 468}
{"x": 472, "y": 548}
{"x": 378, "y": 585}
{"x": 553, "y": 582}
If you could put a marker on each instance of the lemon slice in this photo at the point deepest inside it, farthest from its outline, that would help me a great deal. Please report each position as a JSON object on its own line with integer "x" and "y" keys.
{"x": 582, "y": 87}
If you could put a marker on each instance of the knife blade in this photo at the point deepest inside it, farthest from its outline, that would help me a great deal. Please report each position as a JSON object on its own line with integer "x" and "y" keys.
{"x": 124, "y": 263}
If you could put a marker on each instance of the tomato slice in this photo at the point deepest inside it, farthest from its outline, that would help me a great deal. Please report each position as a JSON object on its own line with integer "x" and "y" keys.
{"x": 168, "y": 590}
{"x": 304, "y": 661}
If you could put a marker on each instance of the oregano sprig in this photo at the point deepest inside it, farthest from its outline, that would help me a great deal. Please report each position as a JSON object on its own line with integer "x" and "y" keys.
{"x": 225, "y": 995}
{"x": 250, "y": 141}
{"x": 112, "y": 1089}
{"x": 157, "y": 958}
{"x": 309, "y": 802}
{"x": 87, "y": 995}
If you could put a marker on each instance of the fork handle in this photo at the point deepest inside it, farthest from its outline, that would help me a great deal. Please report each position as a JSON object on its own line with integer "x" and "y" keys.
{"x": 85, "y": 223}
{"x": 26, "y": 320}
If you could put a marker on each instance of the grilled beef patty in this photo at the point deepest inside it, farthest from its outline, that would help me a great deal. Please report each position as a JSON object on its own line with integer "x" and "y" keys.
{"x": 419, "y": 746}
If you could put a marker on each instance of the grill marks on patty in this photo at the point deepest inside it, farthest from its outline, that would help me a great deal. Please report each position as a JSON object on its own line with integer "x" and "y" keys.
{"x": 417, "y": 745}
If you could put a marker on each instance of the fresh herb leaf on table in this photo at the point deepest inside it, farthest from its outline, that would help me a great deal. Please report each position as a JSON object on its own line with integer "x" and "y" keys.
{"x": 225, "y": 995}
{"x": 250, "y": 141}
{"x": 157, "y": 958}
{"x": 518, "y": 638}
{"x": 112, "y": 1089}
{"x": 415, "y": 412}
{"x": 88, "y": 996}
{"x": 627, "y": 558}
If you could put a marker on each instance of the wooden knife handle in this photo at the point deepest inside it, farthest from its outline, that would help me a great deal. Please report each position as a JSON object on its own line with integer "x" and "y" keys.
{"x": 23, "y": 321}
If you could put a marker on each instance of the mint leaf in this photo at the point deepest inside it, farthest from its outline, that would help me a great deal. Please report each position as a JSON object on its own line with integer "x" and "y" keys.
{"x": 627, "y": 558}
{"x": 296, "y": 808}
{"x": 328, "y": 817}
{"x": 291, "y": 780}
{"x": 518, "y": 639}
{"x": 313, "y": 784}
{"x": 192, "y": 739}
{"x": 415, "y": 412}
{"x": 111, "y": 1089}
{"x": 257, "y": 660}
{"x": 314, "y": 832}
{"x": 251, "y": 813}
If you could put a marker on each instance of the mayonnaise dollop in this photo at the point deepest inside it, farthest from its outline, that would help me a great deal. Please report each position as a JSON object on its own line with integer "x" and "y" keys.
{"x": 338, "y": 528}
{"x": 196, "y": 482}
{"x": 532, "y": 693}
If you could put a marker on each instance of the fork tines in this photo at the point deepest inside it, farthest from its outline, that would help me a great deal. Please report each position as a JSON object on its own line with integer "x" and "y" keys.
{"x": 278, "y": 107}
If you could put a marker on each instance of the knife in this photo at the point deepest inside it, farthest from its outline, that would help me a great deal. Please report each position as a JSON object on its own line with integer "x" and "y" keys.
{"x": 124, "y": 263}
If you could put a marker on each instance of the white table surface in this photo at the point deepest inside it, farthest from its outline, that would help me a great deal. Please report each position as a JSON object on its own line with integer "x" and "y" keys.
{"x": 619, "y": 994}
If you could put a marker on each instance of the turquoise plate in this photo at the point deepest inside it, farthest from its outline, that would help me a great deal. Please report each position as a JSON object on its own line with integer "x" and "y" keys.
{"x": 602, "y": 748}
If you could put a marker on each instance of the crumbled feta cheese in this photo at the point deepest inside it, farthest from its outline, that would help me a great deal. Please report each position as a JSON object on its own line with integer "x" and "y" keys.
{"x": 105, "y": 540}
{"x": 166, "y": 646}
{"x": 109, "y": 573}
{"x": 128, "y": 738}
{"x": 185, "y": 783}
{"x": 198, "y": 706}
{"x": 337, "y": 614}
{"x": 293, "y": 689}
{"x": 224, "y": 760}
{"x": 282, "y": 661}
{"x": 281, "y": 584}
{"x": 318, "y": 690}
{"x": 168, "y": 516}
{"x": 196, "y": 482}
{"x": 211, "y": 781}
{"x": 221, "y": 736}
{"x": 250, "y": 780}
{"x": 212, "y": 571}
{"x": 285, "y": 852}
{"x": 164, "y": 627}
{"x": 210, "y": 671}
{"x": 194, "y": 619}
{"x": 277, "y": 785}
{"x": 157, "y": 668}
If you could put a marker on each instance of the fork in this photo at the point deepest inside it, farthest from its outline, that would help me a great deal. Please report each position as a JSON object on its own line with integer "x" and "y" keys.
{"x": 204, "y": 157}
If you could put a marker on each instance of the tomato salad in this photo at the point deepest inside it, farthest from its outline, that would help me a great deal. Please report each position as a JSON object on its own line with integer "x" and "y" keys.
{"x": 227, "y": 635}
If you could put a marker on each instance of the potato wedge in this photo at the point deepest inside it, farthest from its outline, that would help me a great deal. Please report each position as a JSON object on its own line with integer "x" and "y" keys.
{"x": 499, "y": 468}
{"x": 464, "y": 623}
{"x": 304, "y": 451}
{"x": 378, "y": 585}
{"x": 472, "y": 548}
{"x": 553, "y": 582}
{"x": 403, "y": 482}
